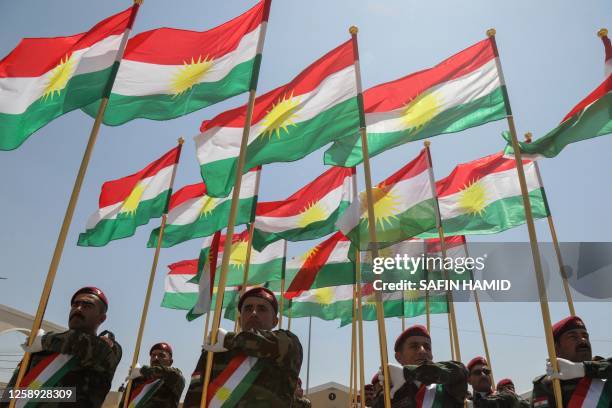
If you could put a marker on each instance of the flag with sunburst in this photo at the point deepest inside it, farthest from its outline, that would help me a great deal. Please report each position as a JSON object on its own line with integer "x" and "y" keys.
{"x": 131, "y": 201}
{"x": 326, "y": 264}
{"x": 484, "y": 197}
{"x": 309, "y": 213}
{"x": 464, "y": 91}
{"x": 194, "y": 214}
{"x": 43, "y": 78}
{"x": 167, "y": 72}
{"x": 315, "y": 108}
{"x": 403, "y": 207}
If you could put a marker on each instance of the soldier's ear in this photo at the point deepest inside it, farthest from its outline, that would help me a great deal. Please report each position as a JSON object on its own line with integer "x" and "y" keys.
{"x": 102, "y": 318}
{"x": 397, "y": 356}
{"x": 275, "y": 321}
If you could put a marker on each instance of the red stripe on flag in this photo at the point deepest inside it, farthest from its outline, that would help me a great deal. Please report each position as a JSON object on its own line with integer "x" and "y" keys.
{"x": 224, "y": 375}
{"x": 187, "y": 267}
{"x": 580, "y": 393}
{"x": 433, "y": 244}
{"x": 412, "y": 169}
{"x": 312, "y": 265}
{"x": 598, "y": 93}
{"x": 34, "y": 57}
{"x": 607, "y": 47}
{"x": 307, "y": 195}
{"x": 116, "y": 191}
{"x": 37, "y": 369}
{"x": 332, "y": 62}
{"x": 420, "y": 395}
{"x": 395, "y": 94}
{"x": 170, "y": 46}
{"x": 187, "y": 193}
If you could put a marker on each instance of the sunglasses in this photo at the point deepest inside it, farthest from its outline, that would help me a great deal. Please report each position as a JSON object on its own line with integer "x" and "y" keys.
{"x": 481, "y": 371}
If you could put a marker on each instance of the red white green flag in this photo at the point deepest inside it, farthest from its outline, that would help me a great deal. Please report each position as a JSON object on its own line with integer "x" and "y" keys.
{"x": 194, "y": 214}
{"x": 309, "y": 213}
{"x": 131, "y": 201}
{"x": 141, "y": 395}
{"x": 464, "y": 91}
{"x": 317, "y": 107}
{"x": 43, "y": 78}
{"x": 403, "y": 207}
{"x": 484, "y": 197}
{"x": 227, "y": 389}
{"x": 166, "y": 73}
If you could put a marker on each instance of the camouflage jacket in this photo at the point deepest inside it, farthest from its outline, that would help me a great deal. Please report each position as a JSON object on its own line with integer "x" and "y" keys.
{"x": 301, "y": 402}
{"x": 543, "y": 394}
{"x": 169, "y": 394}
{"x": 279, "y": 351}
{"x": 452, "y": 374}
{"x": 93, "y": 374}
{"x": 498, "y": 400}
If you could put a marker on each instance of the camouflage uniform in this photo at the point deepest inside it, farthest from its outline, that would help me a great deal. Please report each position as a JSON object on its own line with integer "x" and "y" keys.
{"x": 301, "y": 402}
{"x": 280, "y": 352}
{"x": 93, "y": 374}
{"x": 542, "y": 386}
{"x": 502, "y": 399}
{"x": 452, "y": 374}
{"x": 169, "y": 394}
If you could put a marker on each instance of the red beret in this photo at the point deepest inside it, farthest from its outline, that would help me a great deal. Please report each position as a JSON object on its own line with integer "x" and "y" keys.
{"x": 567, "y": 324}
{"x": 416, "y": 330}
{"x": 375, "y": 379}
{"x": 475, "y": 361}
{"x": 92, "y": 291}
{"x": 259, "y": 292}
{"x": 161, "y": 346}
{"x": 505, "y": 381}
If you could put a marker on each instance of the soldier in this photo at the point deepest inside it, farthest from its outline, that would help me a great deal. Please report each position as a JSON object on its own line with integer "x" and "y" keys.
{"x": 264, "y": 362}
{"x": 300, "y": 400}
{"x": 418, "y": 378}
{"x": 507, "y": 385}
{"x": 160, "y": 384}
{"x": 78, "y": 357}
{"x": 482, "y": 392}
{"x": 583, "y": 381}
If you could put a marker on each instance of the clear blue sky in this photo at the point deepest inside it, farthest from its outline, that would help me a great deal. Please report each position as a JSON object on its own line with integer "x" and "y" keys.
{"x": 551, "y": 57}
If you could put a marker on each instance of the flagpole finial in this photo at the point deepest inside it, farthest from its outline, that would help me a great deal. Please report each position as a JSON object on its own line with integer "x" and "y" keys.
{"x": 181, "y": 140}
{"x": 353, "y": 30}
{"x": 528, "y": 136}
{"x": 426, "y": 143}
{"x": 602, "y": 33}
{"x": 491, "y": 32}
{"x": 139, "y": 2}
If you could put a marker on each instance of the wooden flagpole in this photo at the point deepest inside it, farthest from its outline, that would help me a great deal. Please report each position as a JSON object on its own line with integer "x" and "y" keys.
{"x": 282, "y": 297}
{"x": 553, "y": 234}
{"x": 74, "y": 197}
{"x": 531, "y": 229}
{"x": 360, "y": 325}
{"x": 145, "y": 306}
{"x": 380, "y": 315}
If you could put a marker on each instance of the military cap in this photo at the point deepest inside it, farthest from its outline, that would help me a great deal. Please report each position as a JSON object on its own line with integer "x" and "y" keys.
{"x": 161, "y": 346}
{"x": 503, "y": 382}
{"x": 260, "y": 292}
{"x": 91, "y": 290}
{"x": 416, "y": 330}
{"x": 477, "y": 360}
{"x": 567, "y": 324}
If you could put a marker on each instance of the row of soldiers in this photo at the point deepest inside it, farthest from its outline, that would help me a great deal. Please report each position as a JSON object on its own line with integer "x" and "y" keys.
{"x": 259, "y": 367}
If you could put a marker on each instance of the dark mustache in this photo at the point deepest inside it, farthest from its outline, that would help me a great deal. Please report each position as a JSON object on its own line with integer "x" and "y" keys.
{"x": 76, "y": 314}
{"x": 583, "y": 347}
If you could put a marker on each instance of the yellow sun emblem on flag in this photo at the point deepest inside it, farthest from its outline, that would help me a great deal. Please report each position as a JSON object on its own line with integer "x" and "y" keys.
{"x": 190, "y": 74}
{"x": 386, "y": 205}
{"x": 208, "y": 205}
{"x": 412, "y": 295}
{"x": 281, "y": 116}
{"x": 223, "y": 393}
{"x": 324, "y": 296}
{"x": 310, "y": 253}
{"x": 312, "y": 213}
{"x": 238, "y": 254}
{"x": 473, "y": 198}
{"x": 130, "y": 205}
{"x": 421, "y": 110}
{"x": 59, "y": 77}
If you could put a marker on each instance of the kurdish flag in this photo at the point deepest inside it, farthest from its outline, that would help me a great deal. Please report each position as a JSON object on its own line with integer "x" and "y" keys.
{"x": 327, "y": 264}
{"x": 464, "y": 91}
{"x": 484, "y": 197}
{"x": 43, "y": 78}
{"x": 317, "y": 107}
{"x": 230, "y": 385}
{"x": 591, "y": 393}
{"x": 310, "y": 213}
{"x": 327, "y": 303}
{"x": 47, "y": 373}
{"x": 166, "y": 73}
{"x": 131, "y": 201}
{"x": 194, "y": 214}
{"x": 592, "y": 117}
{"x": 141, "y": 395}
{"x": 403, "y": 207}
